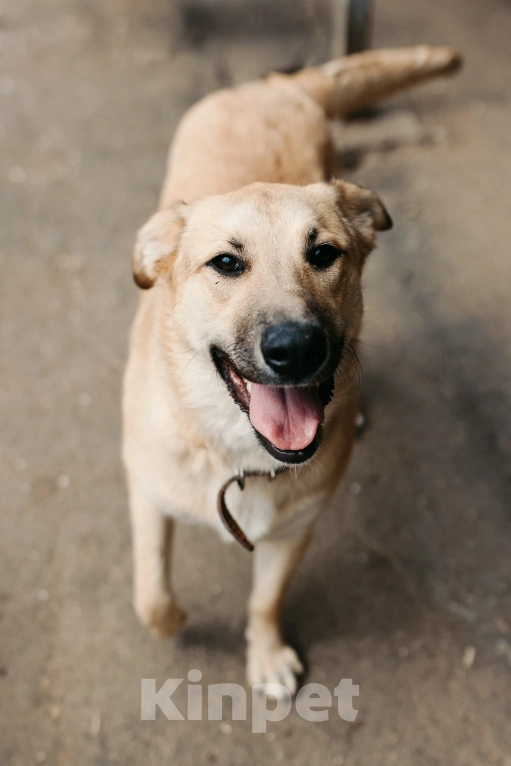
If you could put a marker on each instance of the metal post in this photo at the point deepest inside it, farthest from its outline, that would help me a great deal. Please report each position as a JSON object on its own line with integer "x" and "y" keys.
{"x": 360, "y": 23}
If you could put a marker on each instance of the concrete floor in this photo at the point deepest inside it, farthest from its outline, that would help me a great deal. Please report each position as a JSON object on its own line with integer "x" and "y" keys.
{"x": 407, "y": 586}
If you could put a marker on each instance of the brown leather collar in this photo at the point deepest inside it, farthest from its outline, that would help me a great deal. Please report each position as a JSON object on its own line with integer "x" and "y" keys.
{"x": 230, "y": 523}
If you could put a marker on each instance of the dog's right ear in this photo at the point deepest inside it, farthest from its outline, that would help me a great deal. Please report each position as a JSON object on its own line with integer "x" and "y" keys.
{"x": 157, "y": 244}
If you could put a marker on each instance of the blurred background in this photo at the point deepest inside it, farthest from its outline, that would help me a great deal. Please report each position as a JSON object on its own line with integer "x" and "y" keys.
{"x": 407, "y": 586}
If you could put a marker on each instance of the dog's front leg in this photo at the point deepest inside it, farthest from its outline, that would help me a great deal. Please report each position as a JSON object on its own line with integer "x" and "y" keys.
{"x": 269, "y": 659}
{"x": 152, "y": 534}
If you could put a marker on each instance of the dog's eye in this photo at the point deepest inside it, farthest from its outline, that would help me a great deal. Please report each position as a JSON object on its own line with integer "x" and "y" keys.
{"x": 322, "y": 256}
{"x": 226, "y": 264}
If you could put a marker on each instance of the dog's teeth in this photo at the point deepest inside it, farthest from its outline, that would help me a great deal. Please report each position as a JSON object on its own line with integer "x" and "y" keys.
{"x": 249, "y": 386}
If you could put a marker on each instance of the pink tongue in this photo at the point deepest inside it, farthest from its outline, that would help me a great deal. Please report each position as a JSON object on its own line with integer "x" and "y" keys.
{"x": 288, "y": 417}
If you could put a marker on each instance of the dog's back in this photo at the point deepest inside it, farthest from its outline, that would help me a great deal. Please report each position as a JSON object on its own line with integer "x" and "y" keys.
{"x": 274, "y": 130}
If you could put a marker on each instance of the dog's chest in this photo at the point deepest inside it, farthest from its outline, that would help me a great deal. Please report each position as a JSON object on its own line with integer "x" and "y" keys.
{"x": 190, "y": 489}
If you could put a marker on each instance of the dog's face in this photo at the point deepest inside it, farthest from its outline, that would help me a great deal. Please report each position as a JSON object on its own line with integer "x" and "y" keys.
{"x": 266, "y": 283}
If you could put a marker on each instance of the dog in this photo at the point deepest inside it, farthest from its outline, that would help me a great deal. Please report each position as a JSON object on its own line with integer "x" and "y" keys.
{"x": 237, "y": 407}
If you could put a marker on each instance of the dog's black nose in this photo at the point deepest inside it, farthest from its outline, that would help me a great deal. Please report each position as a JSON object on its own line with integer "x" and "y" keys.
{"x": 294, "y": 350}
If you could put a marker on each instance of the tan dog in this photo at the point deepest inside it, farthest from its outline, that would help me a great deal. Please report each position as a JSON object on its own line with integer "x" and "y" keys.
{"x": 243, "y": 349}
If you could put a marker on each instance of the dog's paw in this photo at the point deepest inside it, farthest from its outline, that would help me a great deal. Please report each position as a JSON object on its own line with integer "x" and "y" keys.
{"x": 278, "y": 664}
{"x": 164, "y": 617}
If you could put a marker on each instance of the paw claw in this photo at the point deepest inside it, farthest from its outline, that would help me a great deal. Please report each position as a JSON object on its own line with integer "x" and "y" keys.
{"x": 276, "y": 665}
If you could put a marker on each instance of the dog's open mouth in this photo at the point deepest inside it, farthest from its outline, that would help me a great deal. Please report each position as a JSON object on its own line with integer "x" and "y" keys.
{"x": 286, "y": 419}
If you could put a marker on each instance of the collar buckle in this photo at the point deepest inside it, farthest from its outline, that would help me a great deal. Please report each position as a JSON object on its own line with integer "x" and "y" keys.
{"x": 240, "y": 478}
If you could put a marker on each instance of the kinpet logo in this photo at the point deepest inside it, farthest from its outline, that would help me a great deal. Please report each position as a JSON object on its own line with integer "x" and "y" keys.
{"x": 313, "y": 701}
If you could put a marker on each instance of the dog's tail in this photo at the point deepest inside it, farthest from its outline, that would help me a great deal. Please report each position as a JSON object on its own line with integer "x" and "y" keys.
{"x": 353, "y": 82}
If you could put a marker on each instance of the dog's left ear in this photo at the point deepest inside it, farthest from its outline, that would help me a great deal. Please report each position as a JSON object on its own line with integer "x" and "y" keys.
{"x": 157, "y": 244}
{"x": 364, "y": 210}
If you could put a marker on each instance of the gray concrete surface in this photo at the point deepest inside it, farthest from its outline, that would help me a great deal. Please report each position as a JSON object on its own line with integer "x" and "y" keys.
{"x": 406, "y": 588}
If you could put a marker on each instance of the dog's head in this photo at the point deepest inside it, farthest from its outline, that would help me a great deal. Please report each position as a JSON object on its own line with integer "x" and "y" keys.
{"x": 266, "y": 283}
